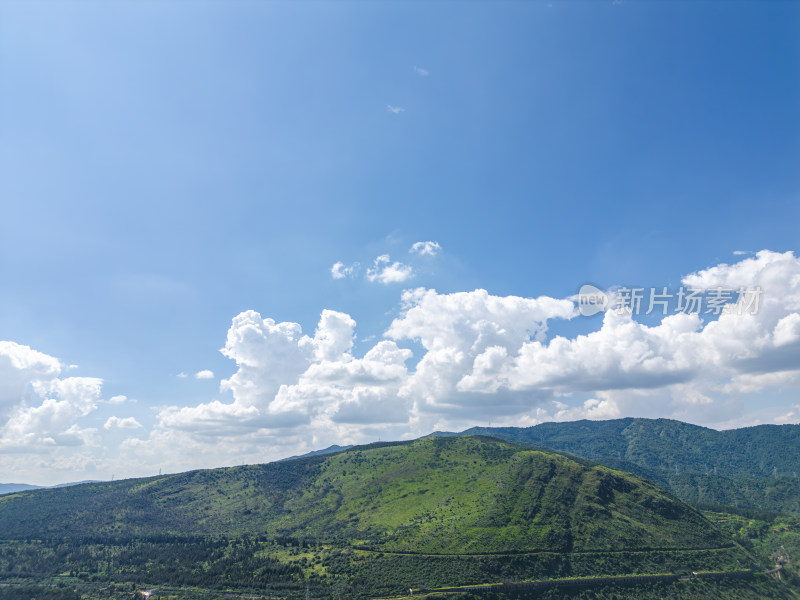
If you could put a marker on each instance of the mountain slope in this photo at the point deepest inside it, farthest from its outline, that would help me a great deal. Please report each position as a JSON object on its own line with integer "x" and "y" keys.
{"x": 435, "y": 495}
{"x": 754, "y": 467}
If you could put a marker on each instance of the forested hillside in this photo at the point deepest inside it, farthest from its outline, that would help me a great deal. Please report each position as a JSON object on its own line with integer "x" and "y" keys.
{"x": 368, "y": 521}
{"x": 754, "y": 467}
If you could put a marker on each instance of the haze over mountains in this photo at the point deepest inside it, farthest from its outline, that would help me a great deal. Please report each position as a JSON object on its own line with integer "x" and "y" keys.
{"x": 7, "y": 488}
{"x": 755, "y": 467}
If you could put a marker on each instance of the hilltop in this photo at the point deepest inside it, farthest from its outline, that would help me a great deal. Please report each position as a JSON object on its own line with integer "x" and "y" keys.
{"x": 438, "y": 495}
{"x": 752, "y": 467}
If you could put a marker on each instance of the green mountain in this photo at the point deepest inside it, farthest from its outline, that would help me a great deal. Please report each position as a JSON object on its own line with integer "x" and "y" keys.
{"x": 372, "y": 521}
{"x": 435, "y": 495}
{"x": 754, "y": 467}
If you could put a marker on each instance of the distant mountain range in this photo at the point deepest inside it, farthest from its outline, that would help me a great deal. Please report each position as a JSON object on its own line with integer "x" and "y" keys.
{"x": 438, "y": 495}
{"x": 329, "y": 450}
{"x": 8, "y": 488}
{"x": 755, "y": 468}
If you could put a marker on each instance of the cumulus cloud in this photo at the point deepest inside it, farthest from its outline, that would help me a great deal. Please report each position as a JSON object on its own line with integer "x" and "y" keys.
{"x": 204, "y": 374}
{"x": 286, "y": 379}
{"x": 738, "y": 347}
{"x": 449, "y": 360}
{"x": 38, "y": 409}
{"x": 267, "y": 354}
{"x": 626, "y": 354}
{"x": 121, "y": 423}
{"x": 395, "y": 110}
{"x": 19, "y": 367}
{"x": 464, "y": 335}
{"x": 350, "y": 390}
{"x": 426, "y": 248}
{"x": 385, "y": 271}
{"x": 119, "y": 399}
{"x": 334, "y": 336}
{"x": 341, "y": 271}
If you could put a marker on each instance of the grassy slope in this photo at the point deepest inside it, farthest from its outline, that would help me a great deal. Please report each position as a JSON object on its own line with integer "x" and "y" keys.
{"x": 755, "y": 467}
{"x": 452, "y": 495}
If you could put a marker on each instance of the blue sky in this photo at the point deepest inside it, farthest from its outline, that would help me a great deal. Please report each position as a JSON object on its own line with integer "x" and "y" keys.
{"x": 165, "y": 167}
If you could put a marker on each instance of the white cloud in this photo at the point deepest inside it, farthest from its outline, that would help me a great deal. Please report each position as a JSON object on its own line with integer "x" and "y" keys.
{"x": 787, "y": 330}
{"x": 268, "y": 355}
{"x": 625, "y": 354}
{"x": 286, "y": 379}
{"x": 19, "y": 367}
{"x": 350, "y": 390}
{"x": 341, "y": 271}
{"x": 465, "y": 335}
{"x": 793, "y": 416}
{"x": 395, "y": 110}
{"x": 421, "y": 72}
{"x": 595, "y": 408}
{"x": 750, "y": 383}
{"x": 119, "y": 399}
{"x": 38, "y": 409}
{"x": 40, "y": 415}
{"x": 426, "y": 248}
{"x": 385, "y": 271}
{"x": 209, "y": 419}
{"x": 334, "y": 336}
{"x": 121, "y": 423}
{"x": 447, "y": 361}
{"x": 204, "y": 374}
{"x": 47, "y": 417}
{"x": 487, "y": 357}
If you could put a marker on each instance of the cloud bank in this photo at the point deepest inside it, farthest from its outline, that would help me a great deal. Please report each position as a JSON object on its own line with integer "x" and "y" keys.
{"x": 447, "y": 361}
{"x": 484, "y": 355}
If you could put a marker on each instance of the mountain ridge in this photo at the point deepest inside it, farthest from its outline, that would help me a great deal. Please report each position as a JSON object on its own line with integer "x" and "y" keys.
{"x": 455, "y": 494}
{"x": 752, "y": 467}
